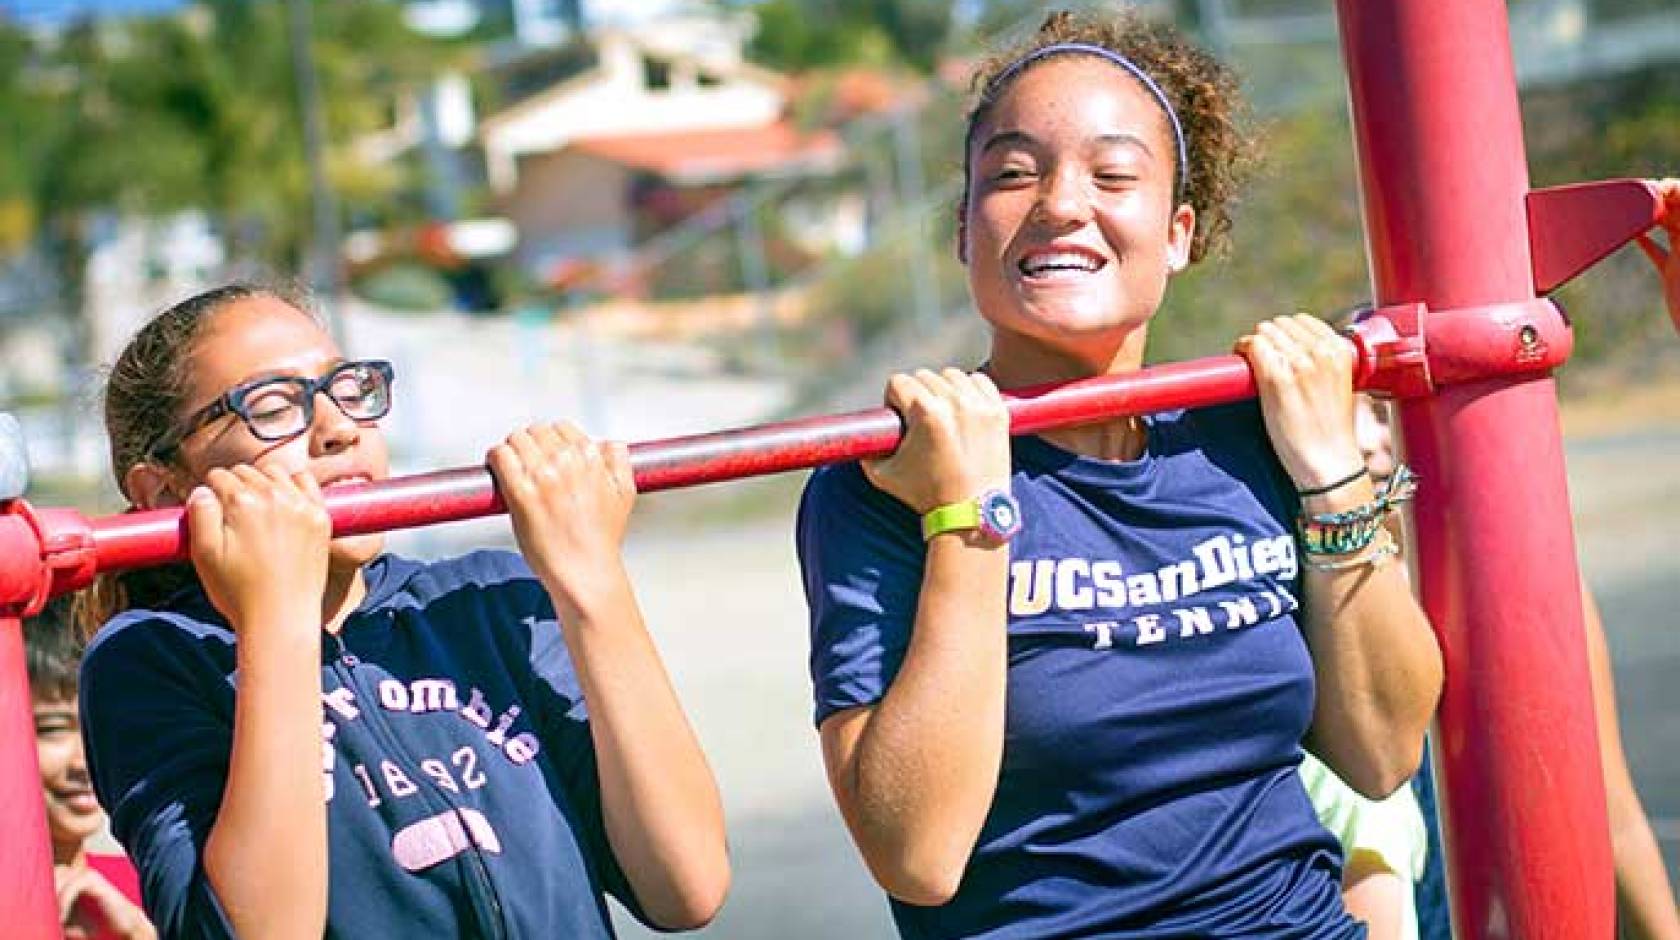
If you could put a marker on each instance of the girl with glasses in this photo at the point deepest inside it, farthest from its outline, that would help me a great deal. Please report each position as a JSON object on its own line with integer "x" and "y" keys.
{"x": 299, "y": 735}
{"x": 1063, "y": 683}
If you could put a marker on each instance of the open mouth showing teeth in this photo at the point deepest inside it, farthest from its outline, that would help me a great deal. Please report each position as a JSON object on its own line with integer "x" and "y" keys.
{"x": 1056, "y": 262}
{"x": 343, "y": 481}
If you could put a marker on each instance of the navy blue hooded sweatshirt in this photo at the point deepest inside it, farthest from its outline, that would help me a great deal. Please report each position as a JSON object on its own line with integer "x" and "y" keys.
{"x": 462, "y": 796}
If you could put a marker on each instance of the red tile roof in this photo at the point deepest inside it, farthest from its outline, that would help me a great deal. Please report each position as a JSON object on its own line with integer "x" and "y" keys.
{"x": 844, "y": 94}
{"x": 717, "y": 154}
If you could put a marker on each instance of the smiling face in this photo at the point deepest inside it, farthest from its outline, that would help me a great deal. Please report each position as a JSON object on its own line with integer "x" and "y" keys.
{"x": 1069, "y": 224}
{"x": 260, "y": 337}
{"x": 73, "y": 813}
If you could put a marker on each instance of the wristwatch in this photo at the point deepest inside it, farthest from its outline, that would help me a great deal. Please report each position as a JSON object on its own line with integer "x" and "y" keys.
{"x": 995, "y": 513}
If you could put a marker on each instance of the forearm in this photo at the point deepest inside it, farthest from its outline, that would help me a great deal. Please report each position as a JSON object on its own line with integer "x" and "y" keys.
{"x": 660, "y": 803}
{"x": 1377, "y": 667}
{"x": 1375, "y": 895}
{"x": 924, "y": 770}
{"x": 266, "y": 855}
{"x": 1644, "y": 898}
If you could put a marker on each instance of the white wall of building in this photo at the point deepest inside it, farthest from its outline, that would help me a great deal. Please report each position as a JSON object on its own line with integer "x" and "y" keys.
{"x": 570, "y": 205}
{"x": 615, "y": 100}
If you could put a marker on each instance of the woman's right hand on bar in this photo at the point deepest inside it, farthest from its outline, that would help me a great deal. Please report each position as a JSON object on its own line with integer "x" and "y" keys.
{"x": 956, "y": 439}
{"x": 913, "y": 776}
{"x": 259, "y": 541}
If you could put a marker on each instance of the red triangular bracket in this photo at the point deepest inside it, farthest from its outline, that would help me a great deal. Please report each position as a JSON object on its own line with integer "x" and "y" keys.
{"x": 1570, "y": 228}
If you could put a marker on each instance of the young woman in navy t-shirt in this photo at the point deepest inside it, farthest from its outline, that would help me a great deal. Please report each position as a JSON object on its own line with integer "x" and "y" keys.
{"x": 299, "y": 735}
{"x": 1063, "y": 683}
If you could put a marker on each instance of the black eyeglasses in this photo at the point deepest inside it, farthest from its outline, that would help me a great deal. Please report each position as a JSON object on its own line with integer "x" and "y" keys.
{"x": 282, "y": 407}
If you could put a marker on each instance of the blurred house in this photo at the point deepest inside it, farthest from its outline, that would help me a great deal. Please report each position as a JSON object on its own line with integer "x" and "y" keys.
{"x": 665, "y": 121}
{"x": 138, "y": 265}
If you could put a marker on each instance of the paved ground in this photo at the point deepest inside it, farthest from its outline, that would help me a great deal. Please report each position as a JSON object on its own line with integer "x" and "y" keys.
{"x": 724, "y": 602}
{"x": 1626, "y": 491}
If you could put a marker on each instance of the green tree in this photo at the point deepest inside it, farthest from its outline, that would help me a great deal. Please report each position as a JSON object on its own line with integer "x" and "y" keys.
{"x": 19, "y": 114}
{"x": 89, "y": 154}
{"x": 198, "y": 110}
{"x": 803, "y": 34}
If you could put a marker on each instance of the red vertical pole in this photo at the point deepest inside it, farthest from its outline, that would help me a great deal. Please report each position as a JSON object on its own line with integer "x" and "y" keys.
{"x": 27, "y": 901}
{"x": 1444, "y": 176}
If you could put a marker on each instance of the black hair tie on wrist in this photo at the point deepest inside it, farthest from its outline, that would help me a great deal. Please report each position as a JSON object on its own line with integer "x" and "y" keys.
{"x": 1330, "y": 487}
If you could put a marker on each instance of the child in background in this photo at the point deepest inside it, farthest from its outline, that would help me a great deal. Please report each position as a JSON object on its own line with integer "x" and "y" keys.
{"x": 98, "y": 895}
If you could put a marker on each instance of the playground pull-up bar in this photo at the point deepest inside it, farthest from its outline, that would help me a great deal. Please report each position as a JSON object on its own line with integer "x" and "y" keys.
{"x": 46, "y": 552}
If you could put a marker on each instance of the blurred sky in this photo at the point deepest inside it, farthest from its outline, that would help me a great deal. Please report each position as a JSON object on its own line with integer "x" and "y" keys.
{"x": 49, "y": 11}
{"x": 56, "y": 11}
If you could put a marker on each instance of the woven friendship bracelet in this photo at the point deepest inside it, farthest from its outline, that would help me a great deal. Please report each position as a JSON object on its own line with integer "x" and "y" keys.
{"x": 1349, "y": 531}
{"x": 1386, "y": 549}
{"x": 1339, "y": 539}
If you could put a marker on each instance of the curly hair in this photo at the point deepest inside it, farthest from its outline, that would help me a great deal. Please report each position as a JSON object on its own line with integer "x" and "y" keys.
{"x": 1203, "y": 93}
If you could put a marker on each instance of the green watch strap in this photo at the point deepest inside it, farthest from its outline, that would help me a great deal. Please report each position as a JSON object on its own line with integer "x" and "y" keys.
{"x": 951, "y": 518}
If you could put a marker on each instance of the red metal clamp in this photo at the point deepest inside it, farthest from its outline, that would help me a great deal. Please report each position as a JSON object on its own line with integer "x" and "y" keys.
{"x": 1408, "y": 350}
{"x": 43, "y": 553}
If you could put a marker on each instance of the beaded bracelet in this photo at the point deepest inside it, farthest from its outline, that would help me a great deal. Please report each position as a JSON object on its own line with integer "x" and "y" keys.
{"x": 1343, "y": 533}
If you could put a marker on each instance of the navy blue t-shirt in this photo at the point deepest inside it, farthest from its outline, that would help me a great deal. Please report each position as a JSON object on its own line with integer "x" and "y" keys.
{"x": 1158, "y": 689}
{"x": 460, "y": 773}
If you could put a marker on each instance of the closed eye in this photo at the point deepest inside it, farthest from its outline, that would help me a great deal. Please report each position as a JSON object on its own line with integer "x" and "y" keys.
{"x": 271, "y": 410}
{"x": 49, "y": 725}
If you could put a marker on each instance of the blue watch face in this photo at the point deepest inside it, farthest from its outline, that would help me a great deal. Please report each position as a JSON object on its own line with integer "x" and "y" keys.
{"x": 1000, "y": 514}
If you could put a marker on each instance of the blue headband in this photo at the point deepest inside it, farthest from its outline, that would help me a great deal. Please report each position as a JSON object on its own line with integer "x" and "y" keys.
{"x": 1109, "y": 54}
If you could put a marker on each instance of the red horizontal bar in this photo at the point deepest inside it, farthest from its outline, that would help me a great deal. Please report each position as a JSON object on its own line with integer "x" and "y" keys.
{"x": 140, "y": 539}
